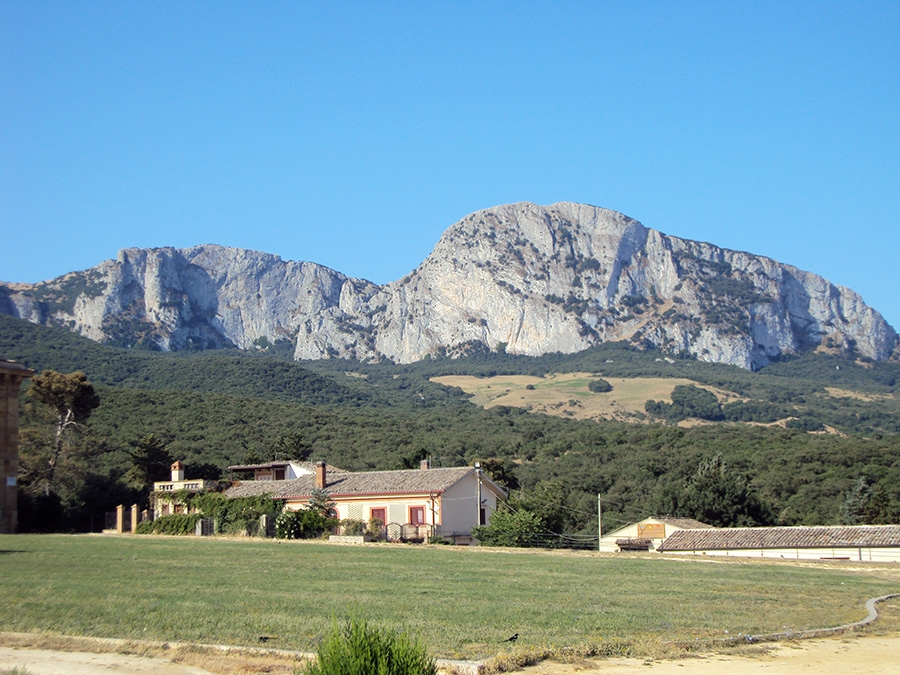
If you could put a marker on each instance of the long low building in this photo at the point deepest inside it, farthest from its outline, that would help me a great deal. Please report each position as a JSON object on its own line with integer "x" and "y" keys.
{"x": 879, "y": 543}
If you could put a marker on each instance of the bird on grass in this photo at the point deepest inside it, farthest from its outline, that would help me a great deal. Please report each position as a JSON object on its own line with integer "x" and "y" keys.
{"x": 510, "y": 639}
{"x": 266, "y": 638}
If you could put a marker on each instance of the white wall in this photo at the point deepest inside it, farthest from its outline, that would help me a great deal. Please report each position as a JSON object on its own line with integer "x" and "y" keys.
{"x": 853, "y": 554}
{"x": 460, "y": 505}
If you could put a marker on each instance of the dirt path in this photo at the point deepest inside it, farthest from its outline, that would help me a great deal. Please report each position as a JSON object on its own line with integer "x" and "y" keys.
{"x": 871, "y": 655}
{"x": 876, "y": 655}
{"x": 49, "y": 662}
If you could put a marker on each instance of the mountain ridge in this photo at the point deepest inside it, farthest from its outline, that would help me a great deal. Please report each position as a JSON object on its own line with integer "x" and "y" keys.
{"x": 520, "y": 277}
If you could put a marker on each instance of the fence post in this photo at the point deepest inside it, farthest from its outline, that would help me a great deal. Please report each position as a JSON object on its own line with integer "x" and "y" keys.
{"x": 134, "y": 518}
{"x": 120, "y": 518}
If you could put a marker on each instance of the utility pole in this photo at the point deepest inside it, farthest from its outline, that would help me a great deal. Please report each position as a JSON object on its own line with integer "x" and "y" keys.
{"x": 478, "y": 505}
{"x": 599, "y": 521}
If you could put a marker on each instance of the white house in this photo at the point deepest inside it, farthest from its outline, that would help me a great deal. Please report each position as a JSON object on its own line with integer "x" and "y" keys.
{"x": 411, "y": 504}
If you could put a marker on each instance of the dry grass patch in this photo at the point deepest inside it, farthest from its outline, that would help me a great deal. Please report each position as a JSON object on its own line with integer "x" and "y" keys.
{"x": 835, "y": 392}
{"x": 567, "y": 394}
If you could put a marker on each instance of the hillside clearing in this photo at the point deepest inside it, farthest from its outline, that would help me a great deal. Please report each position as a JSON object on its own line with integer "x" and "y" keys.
{"x": 567, "y": 394}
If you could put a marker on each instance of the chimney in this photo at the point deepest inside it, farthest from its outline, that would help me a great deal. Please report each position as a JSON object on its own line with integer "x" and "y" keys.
{"x": 425, "y": 464}
{"x": 177, "y": 471}
{"x": 320, "y": 475}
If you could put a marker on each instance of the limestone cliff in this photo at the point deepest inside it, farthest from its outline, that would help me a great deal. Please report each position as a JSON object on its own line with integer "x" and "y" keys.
{"x": 520, "y": 277}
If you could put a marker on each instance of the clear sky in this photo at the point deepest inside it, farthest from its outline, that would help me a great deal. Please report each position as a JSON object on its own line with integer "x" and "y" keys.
{"x": 352, "y": 134}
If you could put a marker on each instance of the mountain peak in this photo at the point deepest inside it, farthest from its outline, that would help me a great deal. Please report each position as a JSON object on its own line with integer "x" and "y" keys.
{"x": 526, "y": 278}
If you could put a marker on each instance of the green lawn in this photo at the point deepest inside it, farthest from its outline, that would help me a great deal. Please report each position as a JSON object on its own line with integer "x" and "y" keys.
{"x": 460, "y": 601}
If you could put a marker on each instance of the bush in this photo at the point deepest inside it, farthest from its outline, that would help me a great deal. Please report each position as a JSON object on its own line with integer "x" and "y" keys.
{"x": 509, "y": 528}
{"x": 360, "y": 649}
{"x": 175, "y": 523}
{"x": 353, "y": 527}
{"x": 599, "y": 386}
{"x": 687, "y": 401}
{"x": 235, "y": 515}
{"x": 302, "y": 524}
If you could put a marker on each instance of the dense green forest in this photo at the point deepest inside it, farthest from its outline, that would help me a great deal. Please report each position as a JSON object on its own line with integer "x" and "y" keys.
{"x": 216, "y": 408}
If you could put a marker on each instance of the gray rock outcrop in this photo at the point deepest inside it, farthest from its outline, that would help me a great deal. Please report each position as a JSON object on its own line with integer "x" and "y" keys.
{"x": 525, "y": 278}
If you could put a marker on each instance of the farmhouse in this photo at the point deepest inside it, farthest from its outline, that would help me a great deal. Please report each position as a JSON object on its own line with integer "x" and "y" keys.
{"x": 412, "y": 504}
{"x": 166, "y": 497}
{"x": 842, "y": 542}
{"x": 647, "y": 534}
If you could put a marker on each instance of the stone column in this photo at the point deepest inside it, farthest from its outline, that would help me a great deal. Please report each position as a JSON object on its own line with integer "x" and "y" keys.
{"x": 11, "y": 376}
{"x": 134, "y": 518}
{"x": 120, "y": 518}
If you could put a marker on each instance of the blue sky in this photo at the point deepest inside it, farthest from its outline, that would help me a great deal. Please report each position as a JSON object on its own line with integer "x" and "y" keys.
{"x": 352, "y": 134}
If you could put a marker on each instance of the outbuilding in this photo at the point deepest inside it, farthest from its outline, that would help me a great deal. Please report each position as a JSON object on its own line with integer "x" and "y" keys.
{"x": 647, "y": 534}
{"x": 879, "y": 543}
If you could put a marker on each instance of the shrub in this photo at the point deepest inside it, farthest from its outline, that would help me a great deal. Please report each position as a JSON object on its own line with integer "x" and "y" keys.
{"x": 599, "y": 386}
{"x": 235, "y": 515}
{"x": 175, "y": 523}
{"x": 509, "y": 528}
{"x": 302, "y": 524}
{"x": 352, "y": 526}
{"x": 360, "y": 649}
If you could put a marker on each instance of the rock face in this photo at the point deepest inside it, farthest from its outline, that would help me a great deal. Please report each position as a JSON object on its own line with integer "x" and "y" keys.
{"x": 520, "y": 277}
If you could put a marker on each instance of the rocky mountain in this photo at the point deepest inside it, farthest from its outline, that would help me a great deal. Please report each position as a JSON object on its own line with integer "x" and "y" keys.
{"x": 523, "y": 278}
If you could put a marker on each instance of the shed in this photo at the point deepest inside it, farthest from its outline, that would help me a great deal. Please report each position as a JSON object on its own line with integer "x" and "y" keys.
{"x": 647, "y": 534}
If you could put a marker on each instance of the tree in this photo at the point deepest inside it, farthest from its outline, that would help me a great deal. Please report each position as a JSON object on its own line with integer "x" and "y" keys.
{"x": 292, "y": 446}
{"x": 509, "y": 528}
{"x": 527, "y": 517}
{"x": 866, "y": 504}
{"x": 321, "y": 502}
{"x": 687, "y": 401}
{"x": 716, "y": 496}
{"x": 150, "y": 461}
{"x": 72, "y": 399}
{"x": 599, "y": 386}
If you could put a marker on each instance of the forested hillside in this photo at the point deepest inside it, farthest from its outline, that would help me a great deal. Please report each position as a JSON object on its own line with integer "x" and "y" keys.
{"x": 215, "y": 408}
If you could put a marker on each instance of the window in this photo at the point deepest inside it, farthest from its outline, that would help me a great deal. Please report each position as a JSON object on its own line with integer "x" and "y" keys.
{"x": 379, "y": 513}
{"x": 417, "y": 515}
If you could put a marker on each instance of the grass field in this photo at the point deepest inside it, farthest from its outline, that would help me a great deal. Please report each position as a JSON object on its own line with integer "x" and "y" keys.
{"x": 567, "y": 394}
{"x": 460, "y": 601}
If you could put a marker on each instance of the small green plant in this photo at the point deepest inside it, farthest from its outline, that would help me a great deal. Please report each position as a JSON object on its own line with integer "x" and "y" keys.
{"x": 360, "y": 649}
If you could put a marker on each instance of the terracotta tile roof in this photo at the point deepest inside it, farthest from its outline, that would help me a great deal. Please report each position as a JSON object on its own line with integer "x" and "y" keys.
{"x": 310, "y": 466}
{"x": 839, "y": 536}
{"x": 342, "y": 483}
{"x": 685, "y": 523}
